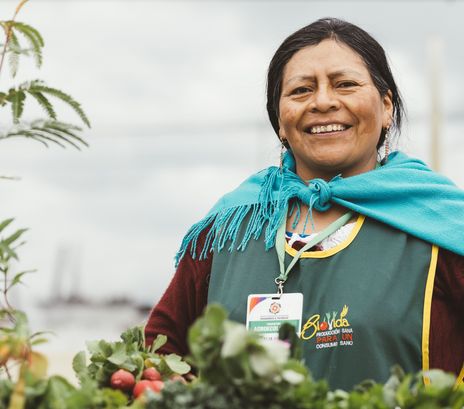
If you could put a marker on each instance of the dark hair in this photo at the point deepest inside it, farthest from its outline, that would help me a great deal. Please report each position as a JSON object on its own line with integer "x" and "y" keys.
{"x": 354, "y": 37}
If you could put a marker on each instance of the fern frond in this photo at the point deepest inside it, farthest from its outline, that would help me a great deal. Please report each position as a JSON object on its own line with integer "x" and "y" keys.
{"x": 13, "y": 57}
{"x": 40, "y": 136}
{"x": 33, "y": 37}
{"x": 37, "y": 136}
{"x": 24, "y": 133}
{"x": 57, "y": 136}
{"x": 38, "y": 86}
{"x": 44, "y": 103}
{"x": 48, "y": 131}
{"x": 67, "y": 129}
{"x": 16, "y": 97}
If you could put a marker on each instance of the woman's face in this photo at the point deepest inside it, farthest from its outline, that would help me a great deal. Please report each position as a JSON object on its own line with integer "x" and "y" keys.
{"x": 331, "y": 113}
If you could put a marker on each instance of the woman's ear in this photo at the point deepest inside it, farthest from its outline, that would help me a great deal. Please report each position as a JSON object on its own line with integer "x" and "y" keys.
{"x": 388, "y": 109}
{"x": 282, "y": 136}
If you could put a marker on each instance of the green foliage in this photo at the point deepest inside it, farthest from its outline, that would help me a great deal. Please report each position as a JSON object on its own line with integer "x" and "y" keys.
{"x": 130, "y": 354}
{"x": 33, "y": 38}
{"x": 258, "y": 379}
{"x": 38, "y": 90}
{"x": 57, "y": 393}
{"x": 45, "y": 131}
{"x": 247, "y": 372}
{"x": 9, "y": 244}
{"x": 241, "y": 364}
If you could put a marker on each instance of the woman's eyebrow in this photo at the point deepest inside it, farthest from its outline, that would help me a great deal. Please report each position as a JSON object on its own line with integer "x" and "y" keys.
{"x": 342, "y": 73}
{"x": 300, "y": 78}
{"x": 335, "y": 74}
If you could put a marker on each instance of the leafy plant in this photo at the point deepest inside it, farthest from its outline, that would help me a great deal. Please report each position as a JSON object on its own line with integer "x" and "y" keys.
{"x": 23, "y": 370}
{"x": 45, "y": 131}
{"x": 130, "y": 354}
{"x": 239, "y": 370}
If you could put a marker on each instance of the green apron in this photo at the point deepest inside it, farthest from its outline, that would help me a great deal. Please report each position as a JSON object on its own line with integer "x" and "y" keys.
{"x": 366, "y": 302}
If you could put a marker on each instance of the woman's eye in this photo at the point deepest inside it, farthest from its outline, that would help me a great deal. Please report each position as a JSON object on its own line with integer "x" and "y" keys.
{"x": 346, "y": 84}
{"x": 301, "y": 90}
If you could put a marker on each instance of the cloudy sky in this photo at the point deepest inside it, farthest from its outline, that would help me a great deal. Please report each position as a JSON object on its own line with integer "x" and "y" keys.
{"x": 175, "y": 94}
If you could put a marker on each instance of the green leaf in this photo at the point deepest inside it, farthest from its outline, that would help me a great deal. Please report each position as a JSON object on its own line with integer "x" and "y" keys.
{"x": 113, "y": 399}
{"x": 39, "y": 341}
{"x": 44, "y": 131}
{"x": 93, "y": 347}
{"x": 175, "y": 364}
{"x": 13, "y": 57}
{"x": 158, "y": 342}
{"x": 133, "y": 335}
{"x": 57, "y": 392}
{"x": 44, "y": 103}
{"x": 5, "y": 224}
{"x": 34, "y": 39}
{"x": 403, "y": 392}
{"x": 106, "y": 348}
{"x": 79, "y": 365}
{"x": 18, "y": 276}
{"x": 119, "y": 354}
{"x": 39, "y": 86}
{"x": 17, "y": 104}
{"x": 135, "y": 365}
{"x": 15, "y": 236}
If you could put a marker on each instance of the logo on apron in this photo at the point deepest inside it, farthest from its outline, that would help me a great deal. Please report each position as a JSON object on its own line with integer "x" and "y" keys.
{"x": 332, "y": 330}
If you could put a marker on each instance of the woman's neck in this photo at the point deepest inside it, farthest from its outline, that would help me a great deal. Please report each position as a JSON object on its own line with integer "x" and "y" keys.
{"x": 320, "y": 219}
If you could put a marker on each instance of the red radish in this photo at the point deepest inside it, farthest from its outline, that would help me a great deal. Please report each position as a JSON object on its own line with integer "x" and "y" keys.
{"x": 122, "y": 380}
{"x": 141, "y": 386}
{"x": 157, "y": 385}
{"x": 151, "y": 374}
{"x": 178, "y": 378}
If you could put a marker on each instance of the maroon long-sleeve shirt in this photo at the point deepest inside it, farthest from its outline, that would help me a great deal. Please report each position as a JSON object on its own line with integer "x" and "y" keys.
{"x": 186, "y": 297}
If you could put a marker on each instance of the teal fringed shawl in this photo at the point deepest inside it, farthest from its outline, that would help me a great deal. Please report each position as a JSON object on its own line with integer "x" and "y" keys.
{"x": 404, "y": 193}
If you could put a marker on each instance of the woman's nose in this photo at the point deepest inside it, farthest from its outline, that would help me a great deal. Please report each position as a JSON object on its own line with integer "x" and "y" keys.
{"x": 324, "y": 100}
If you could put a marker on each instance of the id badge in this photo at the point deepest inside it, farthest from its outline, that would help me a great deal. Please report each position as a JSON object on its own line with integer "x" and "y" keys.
{"x": 267, "y": 312}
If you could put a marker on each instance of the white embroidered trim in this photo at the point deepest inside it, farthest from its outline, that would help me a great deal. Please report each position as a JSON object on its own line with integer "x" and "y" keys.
{"x": 333, "y": 240}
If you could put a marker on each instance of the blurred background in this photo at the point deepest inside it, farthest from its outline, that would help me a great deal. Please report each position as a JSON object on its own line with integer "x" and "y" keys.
{"x": 175, "y": 91}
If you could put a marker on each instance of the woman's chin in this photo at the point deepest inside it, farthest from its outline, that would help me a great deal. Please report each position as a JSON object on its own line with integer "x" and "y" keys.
{"x": 327, "y": 166}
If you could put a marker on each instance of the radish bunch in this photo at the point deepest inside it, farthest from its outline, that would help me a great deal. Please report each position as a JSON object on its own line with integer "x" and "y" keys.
{"x": 151, "y": 379}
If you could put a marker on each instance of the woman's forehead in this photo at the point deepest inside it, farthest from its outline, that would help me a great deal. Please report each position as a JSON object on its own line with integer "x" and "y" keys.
{"x": 329, "y": 56}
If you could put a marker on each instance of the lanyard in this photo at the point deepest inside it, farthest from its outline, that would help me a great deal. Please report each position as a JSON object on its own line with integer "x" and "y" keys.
{"x": 280, "y": 246}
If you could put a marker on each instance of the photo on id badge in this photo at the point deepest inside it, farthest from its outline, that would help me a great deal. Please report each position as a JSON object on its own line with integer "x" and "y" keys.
{"x": 267, "y": 312}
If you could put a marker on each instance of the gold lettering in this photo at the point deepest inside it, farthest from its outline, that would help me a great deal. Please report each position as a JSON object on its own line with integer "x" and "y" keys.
{"x": 341, "y": 322}
{"x": 312, "y": 323}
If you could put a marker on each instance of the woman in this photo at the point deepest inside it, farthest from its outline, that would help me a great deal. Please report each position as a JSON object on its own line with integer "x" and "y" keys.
{"x": 383, "y": 280}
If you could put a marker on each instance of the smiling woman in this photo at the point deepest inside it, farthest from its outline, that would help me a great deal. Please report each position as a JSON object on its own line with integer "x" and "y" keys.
{"x": 363, "y": 255}
{"x": 331, "y": 113}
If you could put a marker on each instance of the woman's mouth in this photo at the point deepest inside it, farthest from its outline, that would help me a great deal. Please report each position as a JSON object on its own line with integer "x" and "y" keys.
{"x": 322, "y": 129}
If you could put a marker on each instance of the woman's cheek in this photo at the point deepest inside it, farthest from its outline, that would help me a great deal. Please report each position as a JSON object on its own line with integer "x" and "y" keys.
{"x": 288, "y": 116}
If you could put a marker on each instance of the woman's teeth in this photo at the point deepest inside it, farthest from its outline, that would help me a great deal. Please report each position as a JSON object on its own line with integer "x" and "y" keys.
{"x": 327, "y": 128}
